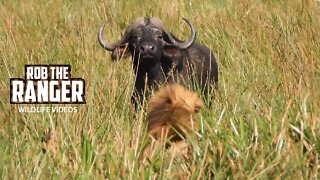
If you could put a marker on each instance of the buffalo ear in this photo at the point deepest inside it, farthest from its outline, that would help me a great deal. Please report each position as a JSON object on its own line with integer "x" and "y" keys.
{"x": 120, "y": 52}
{"x": 172, "y": 51}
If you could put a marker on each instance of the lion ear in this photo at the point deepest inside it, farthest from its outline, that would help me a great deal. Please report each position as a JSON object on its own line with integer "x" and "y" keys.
{"x": 120, "y": 52}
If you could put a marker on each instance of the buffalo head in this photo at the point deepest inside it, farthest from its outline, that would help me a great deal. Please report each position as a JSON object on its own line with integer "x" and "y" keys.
{"x": 147, "y": 40}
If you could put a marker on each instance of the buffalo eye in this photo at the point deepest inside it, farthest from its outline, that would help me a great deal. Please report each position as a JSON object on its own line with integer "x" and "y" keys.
{"x": 136, "y": 37}
{"x": 160, "y": 36}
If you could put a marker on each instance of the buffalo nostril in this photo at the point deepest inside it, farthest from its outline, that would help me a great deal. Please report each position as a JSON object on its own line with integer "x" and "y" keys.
{"x": 147, "y": 48}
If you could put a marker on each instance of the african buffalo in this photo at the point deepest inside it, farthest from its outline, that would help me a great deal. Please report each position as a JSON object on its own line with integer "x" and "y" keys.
{"x": 159, "y": 57}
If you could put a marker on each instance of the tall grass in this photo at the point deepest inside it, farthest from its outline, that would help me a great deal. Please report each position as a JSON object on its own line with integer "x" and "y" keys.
{"x": 263, "y": 124}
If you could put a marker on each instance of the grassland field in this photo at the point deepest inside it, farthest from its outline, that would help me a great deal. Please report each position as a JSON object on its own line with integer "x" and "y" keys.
{"x": 263, "y": 124}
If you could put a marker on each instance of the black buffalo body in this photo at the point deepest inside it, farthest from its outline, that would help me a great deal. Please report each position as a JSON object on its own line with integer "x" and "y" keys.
{"x": 159, "y": 57}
